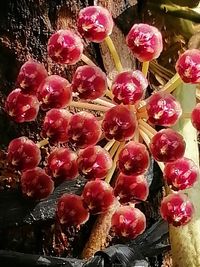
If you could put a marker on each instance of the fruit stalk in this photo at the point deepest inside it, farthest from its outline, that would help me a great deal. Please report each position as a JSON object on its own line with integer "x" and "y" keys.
{"x": 145, "y": 67}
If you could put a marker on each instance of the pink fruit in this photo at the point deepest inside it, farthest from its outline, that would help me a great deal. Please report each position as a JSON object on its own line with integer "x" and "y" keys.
{"x": 30, "y": 76}
{"x": 195, "y": 117}
{"x": 65, "y": 47}
{"x": 94, "y": 162}
{"x": 36, "y": 184}
{"x": 145, "y": 42}
{"x": 23, "y": 153}
{"x": 54, "y": 92}
{"x": 167, "y": 145}
{"x": 176, "y": 209}
{"x": 128, "y": 222}
{"x": 119, "y": 123}
{"x": 98, "y": 196}
{"x": 133, "y": 159}
{"x": 61, "y": 164}
{"x": 55, "y": 125}
{"x": 21, "y": 107}
{"x": 181, "y": 174}
{"x": 188, "y": 66}
{"x": 89, "y": 82}
{"x": 129, "y": 87}
{"x": 163, "y": 109}
{"x": 84, "y": 129}
{"x": 131, "y": 188}
{"x": 95, "y": 23}
{"x": 70, "y": 210}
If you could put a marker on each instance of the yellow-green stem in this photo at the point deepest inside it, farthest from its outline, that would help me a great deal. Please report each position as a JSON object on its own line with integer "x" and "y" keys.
{"x": 109, "y": 144}
{"x": 145, "y": 67}
{"x": 43, "y": 142}
{"x": 86, "y": 105}
{"x": 172, "y": 84}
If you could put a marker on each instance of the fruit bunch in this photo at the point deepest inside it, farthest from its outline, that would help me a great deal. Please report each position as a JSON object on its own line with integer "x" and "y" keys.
{"x": 125, "y": 119}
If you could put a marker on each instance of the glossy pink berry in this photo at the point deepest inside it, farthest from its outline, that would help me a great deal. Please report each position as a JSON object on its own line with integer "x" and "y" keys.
{"x": 22, "y": 107}
{"x": 55, "y": 125}
{"x": 131, "y": 188}
{"x": 145, "y": 42}
{"x": 84, "y": 129}
{"x": 98, "y": 196}
{"x": 95, "y": 23}
{"x": 119, "y": 123}
{"x": 133, "y": 159}
{"x": 163, "y": 109}
{"x": 181, "y": 174}
{"x": 128, "y": 222}
{"x": 23, "y": 153}
{"x": 129, "y": 87}
{"x": 94, "y": 162}
{"x": 36, "y": 184}
{"x": 188, "y": 66}
{"x": 54, "y": 92}
{"x": 167, "y": 145}
{"x": 89, "y": 82}
{"x": 65, "y": 47}
{"x": 176, "y": 209}
{"x": 30, "y": 76}
{"x": 195, "y": 117}
{"x": 70, "y": 210}
{"x": 61, "y": 164}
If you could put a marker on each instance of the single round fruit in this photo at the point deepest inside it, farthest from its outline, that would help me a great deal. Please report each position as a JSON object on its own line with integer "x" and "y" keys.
{"x": 167, "y": 145}
{"x": 131, "y": 188}
{"x": 30, "y": 76}
{"x": 133, "y": 159}
{"x": 188, "y": 66}
{"x": 128, "y": 222}
{"x": 176, "y": 209}
{"x": 181, "y": 174}
{"x": 70, "y": 210}
{"x": 129, "y": 87}
{"x": 145, "y": 42}
{"x": 119, "y": 123}
{"x": 36, "y": 184}
{"x": 163, "y": 109}
{"x": 98, "y": 196}
{"x": 95, "y": 23}
{"x": 89, "y": 82}
{"x": 22, "y": 107}
{"x": 65, "y": 47}
{"x": 23, "y": 153}
{"x": 94, "y": 162}
{"x": 195, "y": 117}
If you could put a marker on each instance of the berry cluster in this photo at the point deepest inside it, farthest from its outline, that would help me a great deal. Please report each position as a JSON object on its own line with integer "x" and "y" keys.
{"x": 124, "y": 121}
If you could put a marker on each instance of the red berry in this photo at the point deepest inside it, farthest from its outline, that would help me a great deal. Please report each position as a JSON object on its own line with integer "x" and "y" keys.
{"x": 98, "y": 196}
{"x": 195, "y": 117}
{"x": 167, "y": 145}
{"x": 21, "y": 107}
{"x": 119, "y": 123}
{"x": 89, "y": 82}
{"x": 129, "y": 87}
{"x": 36, "y": 184}
{"x": 95, "y": 23}
{"x": 177, "y": 209}
{"x": 61, "y": 164}
{"x": 145, "y": 42}
{"x": 65, "y": 47}
{"x": 94, "y": 162}
{"x": 131, "y": 188}
{"x": 23, "y": 153}
{"x": 84, "y": 129}
{"x": 181, "y": 174}
{"x": 55, "y": 125}
{"x": 70, "y": 210}
{"x": 128, "y": 222}
{"x": 54, "y": 92}
{"x": 188, "y": 66}
{"x": 133, "y": 159}
{"x": 163, "y": 109}
{"x": 30, "y": 76}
